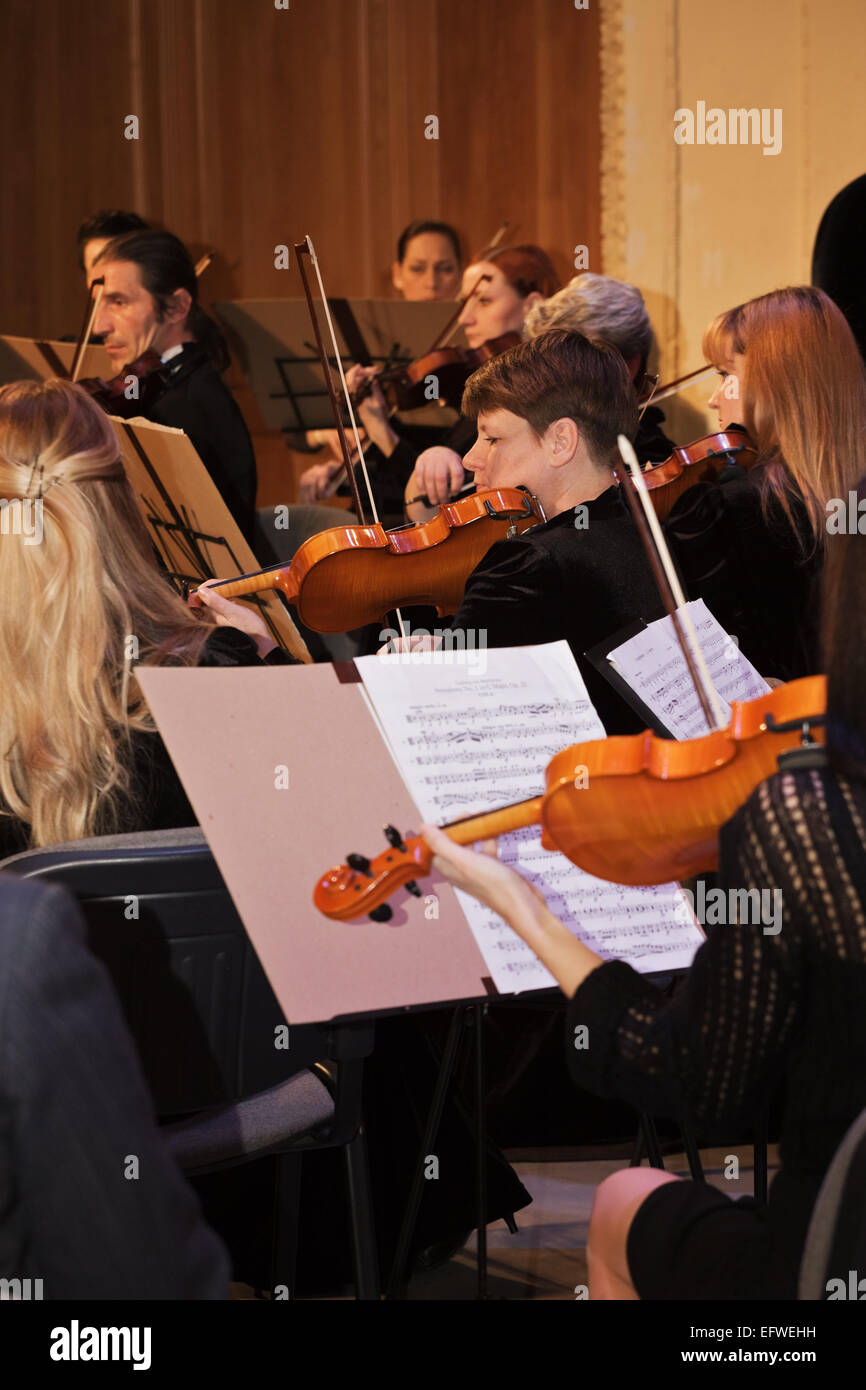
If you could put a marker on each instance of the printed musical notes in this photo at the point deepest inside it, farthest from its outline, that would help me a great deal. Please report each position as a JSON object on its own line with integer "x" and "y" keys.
{"x": 653, "y": 666}
{"x": 466, "y": 745}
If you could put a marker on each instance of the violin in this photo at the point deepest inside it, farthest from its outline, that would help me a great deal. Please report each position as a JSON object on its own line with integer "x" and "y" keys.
{"x": 350, "y": 576}
{"x": 112, "y": 395}
{"x": 689, "y": 464}
{"x": 405, "y": 388}
{"x": 646, "y": 810}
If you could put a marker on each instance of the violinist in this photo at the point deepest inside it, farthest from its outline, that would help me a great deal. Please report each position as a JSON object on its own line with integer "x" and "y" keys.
{"x": 548, "y": 413}
{"x": 97, "y": 231}
{"x": 752, "y": 545}
{"x": 613, "y": 312}
{"x": 427, "y": 267}
{"x": 600, "y": 308}
{"x": 757, "y": 1010}
{"x": 150, "y": 304}
{"x": 81, "y": 752}
{"x": 519, "y": 278}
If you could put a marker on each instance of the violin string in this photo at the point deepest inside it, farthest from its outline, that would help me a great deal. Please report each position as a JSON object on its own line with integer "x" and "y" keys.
{"x": 630, "y": 459}
{"x": 354, "y": 423}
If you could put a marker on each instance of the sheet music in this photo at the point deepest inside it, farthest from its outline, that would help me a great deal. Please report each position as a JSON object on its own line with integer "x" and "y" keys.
{"x": 653, "y": 665}
{"x": 471, "y": 735}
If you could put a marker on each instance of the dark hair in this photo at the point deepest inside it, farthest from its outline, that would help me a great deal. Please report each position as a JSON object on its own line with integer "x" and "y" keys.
{"x": 166, "y": 266}
{"x": 528, "y": 269}
{"x": 419, "y": 228}
{"x": 555, "y": 376}
{"x": 843, "y": 641}
{"x": 109, "y": 222}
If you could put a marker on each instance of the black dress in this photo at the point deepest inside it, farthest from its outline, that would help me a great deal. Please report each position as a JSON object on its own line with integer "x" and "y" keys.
{"x": 758, "y": 1008}
{"x": 756, "y": 568}
{"x": 197, "y": 401}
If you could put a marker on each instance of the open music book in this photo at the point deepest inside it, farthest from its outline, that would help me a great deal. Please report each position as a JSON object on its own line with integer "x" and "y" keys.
{"x": 472, "y": 731}
{"x": 649, "y": 670}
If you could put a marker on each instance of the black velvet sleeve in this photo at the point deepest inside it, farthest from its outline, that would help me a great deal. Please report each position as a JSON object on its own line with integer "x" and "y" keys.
{"x": 514, "y": 597}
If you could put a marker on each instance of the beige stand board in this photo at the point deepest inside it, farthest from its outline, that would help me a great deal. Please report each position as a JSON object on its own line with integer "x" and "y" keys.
{"x": 188, "y": 521}
{"x": 287, "y": 773}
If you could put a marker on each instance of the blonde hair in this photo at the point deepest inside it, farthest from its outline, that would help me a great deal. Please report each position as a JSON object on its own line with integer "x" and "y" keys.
{"x": 606, "y": 310}
{"x": 78, "y": 608}
{"x": 803, "y": 395}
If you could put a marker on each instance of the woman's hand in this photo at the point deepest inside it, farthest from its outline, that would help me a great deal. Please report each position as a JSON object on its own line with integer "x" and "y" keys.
{"x": 237, "y": 615}
{"x": 373, "y": 410}
{"x": 519, "y": 903}
{"x": 320, "y": 480}
{"x": 438, "y": 475}
{"x": 481, "y": 874}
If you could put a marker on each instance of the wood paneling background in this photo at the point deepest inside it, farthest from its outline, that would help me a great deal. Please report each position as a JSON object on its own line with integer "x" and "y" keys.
{"x": 259, "y": 125}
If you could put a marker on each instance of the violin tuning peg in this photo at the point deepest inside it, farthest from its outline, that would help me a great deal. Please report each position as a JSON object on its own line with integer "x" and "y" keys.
{"x": 359, "y": 863}
{"x": 394, "y": 838}
{"x": 381, "y": 914}
{"x": 412, "y": 887}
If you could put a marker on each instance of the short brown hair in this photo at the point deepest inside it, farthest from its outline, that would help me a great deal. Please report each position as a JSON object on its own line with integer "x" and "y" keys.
{"x": 560, "y": 375}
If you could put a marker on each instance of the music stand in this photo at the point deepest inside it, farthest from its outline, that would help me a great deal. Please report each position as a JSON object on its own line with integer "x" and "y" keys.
{"x": 192, "y": 530}
{"x": 273, "y": 339}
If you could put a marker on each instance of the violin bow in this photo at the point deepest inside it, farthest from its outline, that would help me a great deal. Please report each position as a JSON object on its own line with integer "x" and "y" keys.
{"x": 671, "y": 388}
{"x": 306, "y": 248}
{"x": 90, "y": 312}
{"x": 445, "y": 334}
{"x": 667, "y": 581}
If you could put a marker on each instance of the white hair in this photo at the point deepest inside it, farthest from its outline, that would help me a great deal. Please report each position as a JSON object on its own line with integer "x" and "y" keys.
{"x": 601, "y": 308}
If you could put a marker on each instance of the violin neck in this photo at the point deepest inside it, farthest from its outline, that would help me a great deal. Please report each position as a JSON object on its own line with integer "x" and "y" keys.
{"x": 491, "y": 824}
{"x": 274, "y": 577}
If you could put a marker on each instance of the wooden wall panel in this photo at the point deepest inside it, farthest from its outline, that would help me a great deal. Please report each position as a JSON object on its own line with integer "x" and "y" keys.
{"x": 260, "y": 125}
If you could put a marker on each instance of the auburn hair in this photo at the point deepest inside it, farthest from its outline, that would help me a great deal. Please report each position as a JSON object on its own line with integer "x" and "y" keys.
{"x": 557, "y": 375}
{"x": 803, "y": 395}
{"x": 80, "y": 607}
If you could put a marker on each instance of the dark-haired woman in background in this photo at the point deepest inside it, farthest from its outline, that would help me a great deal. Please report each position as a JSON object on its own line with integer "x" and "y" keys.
{"x": 429, "y": 261}
{"x": 150, "y": 303}
{"x": 757, "y": 1010}
{"x": 519, "y": 277}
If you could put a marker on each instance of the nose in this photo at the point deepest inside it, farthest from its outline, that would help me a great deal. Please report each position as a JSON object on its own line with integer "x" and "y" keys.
{"x": 470, "y": 460}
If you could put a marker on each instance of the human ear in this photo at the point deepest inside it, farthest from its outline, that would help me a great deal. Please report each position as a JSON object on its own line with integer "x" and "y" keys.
{"x": 397, "y": 276}
{"x": 530, "y": 302}
{"x": 179, "y": 306}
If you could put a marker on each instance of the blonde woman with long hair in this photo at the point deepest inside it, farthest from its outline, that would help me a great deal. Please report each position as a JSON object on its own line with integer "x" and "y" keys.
{"x": 753, "y": 546}
{"x": 83, "y": 602}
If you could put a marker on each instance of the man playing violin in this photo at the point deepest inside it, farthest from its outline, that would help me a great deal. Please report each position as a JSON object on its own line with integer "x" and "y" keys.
{"x": 548, "y": 413}
{"x": 150, "y": 305}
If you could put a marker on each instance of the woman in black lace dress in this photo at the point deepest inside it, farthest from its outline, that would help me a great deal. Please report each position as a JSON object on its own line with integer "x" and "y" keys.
{"x": 758, "y": 1008}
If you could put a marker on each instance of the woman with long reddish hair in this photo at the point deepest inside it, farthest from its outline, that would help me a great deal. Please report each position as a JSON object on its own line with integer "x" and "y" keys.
{"x": 753, "y": 546}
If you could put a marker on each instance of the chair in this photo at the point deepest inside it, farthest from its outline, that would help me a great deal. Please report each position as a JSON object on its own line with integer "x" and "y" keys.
{"x": 206, "y": 1025}
{"x": 836, "y": 1240}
